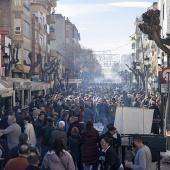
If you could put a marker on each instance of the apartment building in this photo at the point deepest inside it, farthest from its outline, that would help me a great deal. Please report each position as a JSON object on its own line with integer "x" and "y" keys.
{"x": 67, "y": 38}
{"x": 40, "y": 31}
{"x": 5, "y": 28}
{"x": 164, "y": 7}
{"x": 22, "y": 33}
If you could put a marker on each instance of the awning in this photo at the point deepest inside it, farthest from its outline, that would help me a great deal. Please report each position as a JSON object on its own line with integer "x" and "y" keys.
{"x": 37, "y": 86}
{"x": 20, "y": 84}
{"x": 6, "y": 88}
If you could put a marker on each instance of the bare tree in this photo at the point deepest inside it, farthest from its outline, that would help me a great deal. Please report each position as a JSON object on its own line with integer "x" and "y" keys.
{"x": 33, "y": 64}
{"x": 13, "y": 56}
{"x": 151, "y": 27}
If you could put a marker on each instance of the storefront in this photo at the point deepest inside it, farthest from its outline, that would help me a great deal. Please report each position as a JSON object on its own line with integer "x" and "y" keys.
{"x": 47, "y": 88}
{"x": 22, "y": 91}
{"x": 6, "y": 91}
{"x": 37, "y": 88}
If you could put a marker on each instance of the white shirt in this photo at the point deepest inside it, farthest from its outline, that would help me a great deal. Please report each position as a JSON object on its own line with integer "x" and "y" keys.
{"x": 29, "y": 129}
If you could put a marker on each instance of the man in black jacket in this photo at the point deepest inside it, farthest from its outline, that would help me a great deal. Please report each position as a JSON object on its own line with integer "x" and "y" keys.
{"x": 157, "y": 118}
{"x": 109, "y": 134}
{"x": 46, "y": 134}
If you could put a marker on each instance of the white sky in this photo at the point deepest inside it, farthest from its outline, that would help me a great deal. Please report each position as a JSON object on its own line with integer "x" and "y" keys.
{"x": 104, "y": 24}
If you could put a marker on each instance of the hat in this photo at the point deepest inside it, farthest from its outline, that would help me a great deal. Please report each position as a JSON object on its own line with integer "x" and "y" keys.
{"x": 49, "y": 119}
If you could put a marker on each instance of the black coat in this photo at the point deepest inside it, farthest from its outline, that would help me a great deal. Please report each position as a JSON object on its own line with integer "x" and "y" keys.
{"x": 108, "y": 160}
{"x": 156, "y": 114}
{"x": 46, "y": 134}
{"x": 75, "y": 147}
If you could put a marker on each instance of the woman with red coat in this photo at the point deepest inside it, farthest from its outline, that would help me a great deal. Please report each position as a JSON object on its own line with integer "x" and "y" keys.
{"x": 89, "y": 139}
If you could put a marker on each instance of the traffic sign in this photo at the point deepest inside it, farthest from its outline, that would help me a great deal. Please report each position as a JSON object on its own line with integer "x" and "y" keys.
{"x": 163, "y": 74}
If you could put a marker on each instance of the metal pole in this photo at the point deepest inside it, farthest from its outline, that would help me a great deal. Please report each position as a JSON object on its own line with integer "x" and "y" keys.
{"x": 167, "y": 115}
{"x": 146, "y": 80}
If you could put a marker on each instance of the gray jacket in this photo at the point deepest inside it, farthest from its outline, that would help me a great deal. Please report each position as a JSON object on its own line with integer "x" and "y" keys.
{"x": 143, "y": 159}
{"x": 53, "y": 162}
{"x": 13, "y": 132}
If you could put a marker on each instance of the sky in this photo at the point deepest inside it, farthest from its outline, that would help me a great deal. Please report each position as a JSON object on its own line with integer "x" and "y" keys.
{"x": 104, "y": 24}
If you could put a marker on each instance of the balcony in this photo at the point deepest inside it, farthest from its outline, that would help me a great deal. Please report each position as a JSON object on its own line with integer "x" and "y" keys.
{"x": 51, "y": 19}
{"x": 52, "y": 36}
{"x": 54, "y": 2}
{"x": 53, "y": 53}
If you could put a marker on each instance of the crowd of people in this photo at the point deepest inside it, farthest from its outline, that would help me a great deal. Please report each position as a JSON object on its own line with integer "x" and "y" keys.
{"x": 56, "y": 131}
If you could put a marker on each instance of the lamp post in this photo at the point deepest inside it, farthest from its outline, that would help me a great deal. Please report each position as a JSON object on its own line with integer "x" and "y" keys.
{"x": 6, "y": 62}
{"x": 146, "y": 66}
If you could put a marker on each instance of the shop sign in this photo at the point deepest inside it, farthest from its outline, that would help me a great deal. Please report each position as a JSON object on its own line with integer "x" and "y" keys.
{"x": 6, "y": 91}
{"x": 36, "y": 87}
{"x": 22, "y": 85}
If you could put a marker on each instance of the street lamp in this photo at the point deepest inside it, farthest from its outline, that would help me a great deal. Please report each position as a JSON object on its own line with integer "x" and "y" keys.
{"x": 6, "y": 62}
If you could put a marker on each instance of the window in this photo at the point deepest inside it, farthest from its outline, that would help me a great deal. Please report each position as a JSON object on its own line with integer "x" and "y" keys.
{"x": 27, "y": 29}
{"x": 17, "y": 30}
{"x": 17, "y": 2}
{"x": 67, "y": 27}
{"x": 17, "y": 26}
{"x": 41, "y": 19}
{"x": 19, "y": 56}
{"x": 26, "y": 52}
{"x": 41, "y": 40}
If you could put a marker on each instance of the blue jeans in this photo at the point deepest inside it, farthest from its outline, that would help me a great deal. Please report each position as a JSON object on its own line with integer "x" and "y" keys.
{"x": 86, "y": 167}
